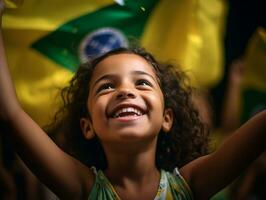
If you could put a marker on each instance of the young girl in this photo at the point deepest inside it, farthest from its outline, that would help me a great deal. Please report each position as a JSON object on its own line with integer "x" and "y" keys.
{"x": 138, "y": 125}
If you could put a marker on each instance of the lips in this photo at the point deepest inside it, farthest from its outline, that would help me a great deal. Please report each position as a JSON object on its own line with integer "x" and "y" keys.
{"x": 127, "y": 110}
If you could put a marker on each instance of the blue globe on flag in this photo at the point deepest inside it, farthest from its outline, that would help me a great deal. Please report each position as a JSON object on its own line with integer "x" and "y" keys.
{"x": 101, "y": 41}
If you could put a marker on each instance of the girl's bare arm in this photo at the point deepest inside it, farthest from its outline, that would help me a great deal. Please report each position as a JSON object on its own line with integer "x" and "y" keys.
{"x": 67, "y": 177}
{"x": 208, "y": 174}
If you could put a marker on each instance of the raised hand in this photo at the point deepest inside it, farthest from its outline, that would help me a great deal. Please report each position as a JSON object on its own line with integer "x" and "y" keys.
{"x": 51, "y": 165}
{"x": 8, "y": 100}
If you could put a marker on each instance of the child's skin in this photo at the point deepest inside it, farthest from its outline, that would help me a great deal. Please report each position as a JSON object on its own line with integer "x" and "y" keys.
{"x": 127, "y": 81}
{"x": 129, "y": 142}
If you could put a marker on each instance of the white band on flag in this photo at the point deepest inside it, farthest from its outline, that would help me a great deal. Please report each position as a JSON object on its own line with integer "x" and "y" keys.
{"x": 120, "y": 2}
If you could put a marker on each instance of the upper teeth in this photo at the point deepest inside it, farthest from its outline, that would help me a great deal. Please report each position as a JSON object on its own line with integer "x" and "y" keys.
{"x": 128, "y": 110}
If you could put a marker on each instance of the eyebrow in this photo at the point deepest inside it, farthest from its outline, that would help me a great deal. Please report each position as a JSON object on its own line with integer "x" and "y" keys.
{"x": 144, "y": 73}
{"x": 107, "y": 76}
{"x": 112, "y": 76}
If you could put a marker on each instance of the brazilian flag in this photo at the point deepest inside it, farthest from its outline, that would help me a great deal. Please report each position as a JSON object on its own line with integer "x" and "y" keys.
{"x": 46, "y": 40}
{"x": 95, "y": 33}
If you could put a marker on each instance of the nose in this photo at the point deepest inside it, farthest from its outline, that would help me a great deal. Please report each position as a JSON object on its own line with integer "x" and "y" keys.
{"x": 125, "y": 93}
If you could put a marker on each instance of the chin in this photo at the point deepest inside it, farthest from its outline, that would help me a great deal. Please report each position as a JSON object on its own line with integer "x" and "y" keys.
{"x": 136, "y": 137}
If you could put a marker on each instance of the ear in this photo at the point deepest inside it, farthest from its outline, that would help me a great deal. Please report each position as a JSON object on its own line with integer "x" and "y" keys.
{"x": 168, "y": 119}
{"x": 87, "y": 128}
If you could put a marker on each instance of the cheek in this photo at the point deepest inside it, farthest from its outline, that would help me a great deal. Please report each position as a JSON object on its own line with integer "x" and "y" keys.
{"x": 158, "y": 101}
{"x": 157, "y": 109}
{"x": 97, "y": 109}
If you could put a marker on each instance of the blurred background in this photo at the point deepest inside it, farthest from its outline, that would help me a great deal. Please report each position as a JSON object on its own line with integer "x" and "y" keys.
{"x": 220, "y": 44}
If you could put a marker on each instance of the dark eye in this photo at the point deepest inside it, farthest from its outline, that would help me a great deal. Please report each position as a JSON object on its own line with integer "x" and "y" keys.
{"x": 143, "y": 82}
{"x": 105, "y": 87}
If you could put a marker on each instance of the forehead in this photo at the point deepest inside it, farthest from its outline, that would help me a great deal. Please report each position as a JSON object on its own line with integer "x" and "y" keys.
{"x": 122, "y": 64}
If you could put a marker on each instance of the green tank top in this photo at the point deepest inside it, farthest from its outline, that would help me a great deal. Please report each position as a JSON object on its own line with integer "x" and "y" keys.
{"x": 172, "y": 186}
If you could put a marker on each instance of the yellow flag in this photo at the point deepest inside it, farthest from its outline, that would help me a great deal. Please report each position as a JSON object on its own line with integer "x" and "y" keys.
{"x": 255, "y": 61}
{"x": 189, "y": 32}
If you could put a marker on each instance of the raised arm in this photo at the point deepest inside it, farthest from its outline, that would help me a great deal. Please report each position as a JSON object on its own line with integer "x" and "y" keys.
{"x": 67, "y": 177}
{"x": 230, "y": 114}
{"x": 208, "y": 174}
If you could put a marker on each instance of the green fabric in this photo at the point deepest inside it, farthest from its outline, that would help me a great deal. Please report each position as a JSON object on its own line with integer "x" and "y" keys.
{"x": 171, "y": 187}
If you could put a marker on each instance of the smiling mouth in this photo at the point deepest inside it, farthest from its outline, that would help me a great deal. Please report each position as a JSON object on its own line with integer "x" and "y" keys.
{"x": 128, "y": 111}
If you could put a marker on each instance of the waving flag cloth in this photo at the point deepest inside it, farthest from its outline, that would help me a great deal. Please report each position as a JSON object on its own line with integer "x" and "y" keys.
{"x": 190, "y": 32}
{"x": 254, "y": 83}
{"x": 47, "y": 40}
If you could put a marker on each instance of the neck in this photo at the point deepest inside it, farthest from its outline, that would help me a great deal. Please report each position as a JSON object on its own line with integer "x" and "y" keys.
{"x": 132, "y": 162}
{"x": 132, "y": 171}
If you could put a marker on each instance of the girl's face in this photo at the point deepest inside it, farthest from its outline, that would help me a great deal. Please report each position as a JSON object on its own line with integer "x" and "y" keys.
{"x": 125, "y": 101}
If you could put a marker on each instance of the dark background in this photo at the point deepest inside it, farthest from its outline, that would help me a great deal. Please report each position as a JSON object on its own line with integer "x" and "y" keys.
{"x": 244, "y": 16}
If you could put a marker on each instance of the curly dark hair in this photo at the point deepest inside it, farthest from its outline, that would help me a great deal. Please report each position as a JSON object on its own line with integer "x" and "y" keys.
{"x": 187, "y": 139}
